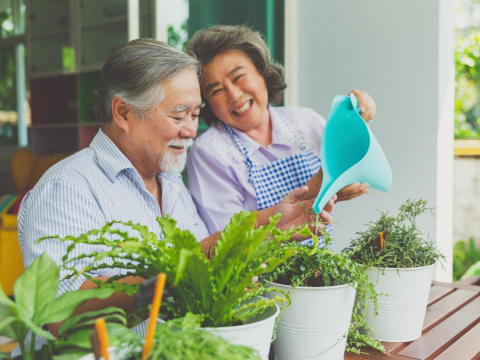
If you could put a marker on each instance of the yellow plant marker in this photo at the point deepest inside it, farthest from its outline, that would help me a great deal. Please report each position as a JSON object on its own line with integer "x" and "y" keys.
{"x": 101, "y": 328}
{"x": 381, "y": 240}
{"x": 155, "y": 309}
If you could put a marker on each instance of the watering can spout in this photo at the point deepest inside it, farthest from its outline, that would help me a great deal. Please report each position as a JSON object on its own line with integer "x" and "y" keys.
{"x": 350, "y": 153}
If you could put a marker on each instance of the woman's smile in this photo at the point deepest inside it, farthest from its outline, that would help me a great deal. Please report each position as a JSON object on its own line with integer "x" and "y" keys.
{"x": 244, "y": 109}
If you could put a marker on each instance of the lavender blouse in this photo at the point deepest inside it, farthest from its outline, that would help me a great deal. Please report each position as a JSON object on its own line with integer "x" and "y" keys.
{"x": 218, "y": 174}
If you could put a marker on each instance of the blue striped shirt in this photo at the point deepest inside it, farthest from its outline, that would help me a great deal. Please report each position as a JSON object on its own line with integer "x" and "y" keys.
{"x": 88, "y": 189}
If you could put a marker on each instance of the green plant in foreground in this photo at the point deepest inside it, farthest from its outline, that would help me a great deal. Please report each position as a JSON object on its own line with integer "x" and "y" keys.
{"x": 215, "y": 290}
{"x": 405, "y": 246}
{"x": 36, "y": 304}
{"x": 320, "y": 267}
{"x": 474, "y": 270}
{"x": 181, "y": 339}
{"x": 465, "y": 255}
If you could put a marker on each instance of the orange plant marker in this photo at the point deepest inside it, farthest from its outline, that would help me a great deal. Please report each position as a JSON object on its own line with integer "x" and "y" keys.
{"x": 155, "y": 309}
{"x": 381, "y": 240}
{"x": 101, "y": 328}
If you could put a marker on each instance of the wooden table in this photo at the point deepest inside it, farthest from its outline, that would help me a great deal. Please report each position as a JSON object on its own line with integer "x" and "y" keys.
{"x": 451, "y": 330}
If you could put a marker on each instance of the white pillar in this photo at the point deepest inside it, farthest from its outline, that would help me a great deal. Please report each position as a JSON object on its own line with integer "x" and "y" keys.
{"x": 401, "y": 53}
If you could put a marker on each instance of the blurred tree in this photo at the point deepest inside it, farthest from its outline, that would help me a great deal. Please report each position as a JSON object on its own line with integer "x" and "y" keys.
{"x": 467, "y": 86}
{"x": 467, "y": 69}
{"x": 7, "y": 64}
{"x": 178, "y": 37}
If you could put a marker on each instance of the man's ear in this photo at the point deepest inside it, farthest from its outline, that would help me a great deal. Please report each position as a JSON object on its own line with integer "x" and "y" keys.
{"x": 120, "y": 113}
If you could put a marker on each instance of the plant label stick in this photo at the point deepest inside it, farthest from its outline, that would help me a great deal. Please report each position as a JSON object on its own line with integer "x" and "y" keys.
{"x": 95, "y": 344}
{"x": 101, "y": 329}
{"x": 377, "y": 241}
{"x": 155, "y": 309}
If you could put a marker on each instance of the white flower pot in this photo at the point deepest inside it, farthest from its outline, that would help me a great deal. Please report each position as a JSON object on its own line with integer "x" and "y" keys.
{"x": 315, "y": 324}
{"x": 402, "y": 311}
{"x": 256, "y": 333}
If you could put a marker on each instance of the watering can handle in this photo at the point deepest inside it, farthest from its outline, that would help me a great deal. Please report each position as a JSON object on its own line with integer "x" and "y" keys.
{"x": 354, "y": 101}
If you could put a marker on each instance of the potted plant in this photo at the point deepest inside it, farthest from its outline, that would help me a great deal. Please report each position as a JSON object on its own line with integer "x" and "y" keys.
{"x": 401, "y": 265}
{"x": 36, "y": 304}
{"x": 180, "y": 338}
{"x": 222, "y": 291}
{"x": 324, "y": 319}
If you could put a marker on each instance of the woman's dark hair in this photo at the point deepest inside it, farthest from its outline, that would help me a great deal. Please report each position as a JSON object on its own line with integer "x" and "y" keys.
{"x": 206, "y": 44}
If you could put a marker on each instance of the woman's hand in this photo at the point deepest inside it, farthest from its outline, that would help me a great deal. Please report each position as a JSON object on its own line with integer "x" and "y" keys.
{"x": 300, "y": 213}
{"x": 366, "y": 104}
{"x": 352, "y": 191}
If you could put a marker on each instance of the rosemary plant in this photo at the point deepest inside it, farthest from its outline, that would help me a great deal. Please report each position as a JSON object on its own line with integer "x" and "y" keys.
{"x": 405, "y": 246}
{"x": 319, "y": 267}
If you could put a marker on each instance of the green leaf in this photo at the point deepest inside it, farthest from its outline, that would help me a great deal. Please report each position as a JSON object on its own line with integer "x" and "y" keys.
{"x": 62, "y": 307}
{"x": 71, "y": 353}
{"x": 183, "y": 258}
{"x": 79, "y": 339}
{"x": 36, "y": 287}
{"x": 4, "y": 356}
{"x": 73, "y": 321}
{"x": 38, "y": 330}
{"x": 473, "y": 271}
{"x": 232, "y": 247}
{"x": 4, "y": 299}
{"x": 117, "y": 334}
{"x": 12, "y": 329}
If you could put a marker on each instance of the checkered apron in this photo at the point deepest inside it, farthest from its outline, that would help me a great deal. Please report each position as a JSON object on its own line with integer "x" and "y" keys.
{"x": 274, "y": 180}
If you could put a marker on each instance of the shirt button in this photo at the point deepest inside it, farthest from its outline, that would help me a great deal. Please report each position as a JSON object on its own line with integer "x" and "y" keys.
{"x": 150, "y": 202}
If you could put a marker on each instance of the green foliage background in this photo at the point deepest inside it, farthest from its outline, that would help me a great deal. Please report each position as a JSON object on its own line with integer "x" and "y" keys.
{"x": 467, "y": 69}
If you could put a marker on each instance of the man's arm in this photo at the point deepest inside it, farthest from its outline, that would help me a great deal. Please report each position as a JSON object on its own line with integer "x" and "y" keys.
{"x": 208, "y": 244}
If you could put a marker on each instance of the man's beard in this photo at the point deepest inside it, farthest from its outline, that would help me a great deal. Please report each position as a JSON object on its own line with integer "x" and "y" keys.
{"x": 172, "y": 163}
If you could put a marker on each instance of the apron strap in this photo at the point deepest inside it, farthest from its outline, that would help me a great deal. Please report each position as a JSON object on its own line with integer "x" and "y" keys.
{"x": 240, "y": 145}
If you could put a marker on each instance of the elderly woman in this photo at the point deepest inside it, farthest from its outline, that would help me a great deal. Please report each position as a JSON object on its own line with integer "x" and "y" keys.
{"x": 254, "y": 154}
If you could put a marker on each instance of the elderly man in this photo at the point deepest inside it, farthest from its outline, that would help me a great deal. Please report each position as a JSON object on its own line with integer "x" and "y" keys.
{"x": 149, "y": 99}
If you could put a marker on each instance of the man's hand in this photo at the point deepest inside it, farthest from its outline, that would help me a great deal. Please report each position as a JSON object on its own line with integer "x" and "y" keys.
{"x": 300, "y": 213}
{"x": 352, "y": 191}
{"x": 366, "y": 104}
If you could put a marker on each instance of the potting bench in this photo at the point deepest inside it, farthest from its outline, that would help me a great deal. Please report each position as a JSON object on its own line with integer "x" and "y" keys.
{"x": 451, "y": 330}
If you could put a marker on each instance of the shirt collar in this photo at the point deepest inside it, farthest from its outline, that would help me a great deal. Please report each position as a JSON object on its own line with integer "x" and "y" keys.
{"x": 281, "y": 133}
{"x": 109, "y": 157}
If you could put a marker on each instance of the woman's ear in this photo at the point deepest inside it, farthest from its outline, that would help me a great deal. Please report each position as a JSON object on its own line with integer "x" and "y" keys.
{"x": 120, "y": 113}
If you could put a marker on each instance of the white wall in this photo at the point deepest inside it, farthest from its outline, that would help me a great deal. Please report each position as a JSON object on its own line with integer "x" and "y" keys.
{"x": 401, "y": 53}
{"x": 466, "y": 199}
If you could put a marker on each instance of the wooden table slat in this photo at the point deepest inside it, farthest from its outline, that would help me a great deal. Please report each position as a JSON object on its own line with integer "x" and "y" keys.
{"x": 446, "y": 306}
{"x": 372, "y": 355}
{"x": 437, "y": 292}
{"x": 472, "y": 280}
{"x": 392, "y": 347}
{"x": 457, "y": 286}
{"x": 444, "y": 334}
{"x": 465, "y": 348}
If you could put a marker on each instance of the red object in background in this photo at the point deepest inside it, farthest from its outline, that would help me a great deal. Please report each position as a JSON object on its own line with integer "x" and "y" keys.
{"x": 14, "y": 209}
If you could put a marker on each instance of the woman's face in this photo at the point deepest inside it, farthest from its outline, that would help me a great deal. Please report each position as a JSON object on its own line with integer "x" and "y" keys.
{"x": 236, "y": 91}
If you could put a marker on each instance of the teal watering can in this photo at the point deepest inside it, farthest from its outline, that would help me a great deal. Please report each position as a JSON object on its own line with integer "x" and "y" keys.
{"x": 350, "y": 153}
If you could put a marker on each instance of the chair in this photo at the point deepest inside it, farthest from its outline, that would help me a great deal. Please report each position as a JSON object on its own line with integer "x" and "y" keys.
{"x": 26, "y": 169}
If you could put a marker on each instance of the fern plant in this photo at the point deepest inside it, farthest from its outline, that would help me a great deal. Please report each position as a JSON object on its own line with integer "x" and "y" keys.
{"x": 213, "y": 289}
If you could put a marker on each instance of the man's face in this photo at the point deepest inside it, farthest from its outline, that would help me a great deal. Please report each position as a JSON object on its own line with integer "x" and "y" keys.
{"x": 162, "y": 137}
